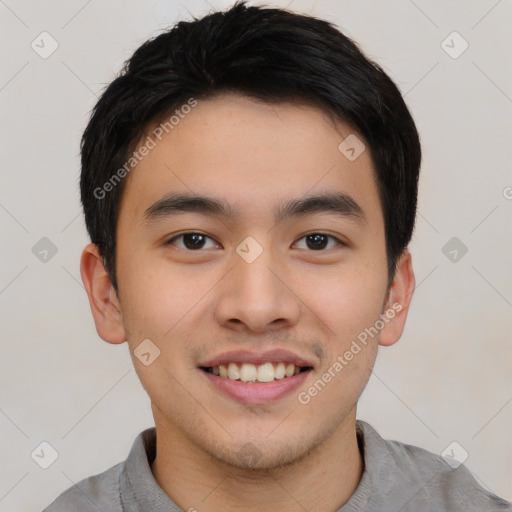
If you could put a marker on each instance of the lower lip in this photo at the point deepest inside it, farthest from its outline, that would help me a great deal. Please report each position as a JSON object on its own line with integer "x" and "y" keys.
{"x": 250, "y": 393}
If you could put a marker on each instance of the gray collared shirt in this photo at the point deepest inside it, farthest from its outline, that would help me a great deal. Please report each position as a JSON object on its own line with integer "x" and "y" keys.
{"x": 397, "y": 478}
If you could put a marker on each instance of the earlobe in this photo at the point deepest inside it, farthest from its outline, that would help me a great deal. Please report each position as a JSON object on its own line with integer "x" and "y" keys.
{"x": 105, "y": 306}
{"x": 399, "y": 299}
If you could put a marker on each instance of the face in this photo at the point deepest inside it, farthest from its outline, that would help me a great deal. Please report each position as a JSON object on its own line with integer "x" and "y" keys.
{"x": 251, "y": 282}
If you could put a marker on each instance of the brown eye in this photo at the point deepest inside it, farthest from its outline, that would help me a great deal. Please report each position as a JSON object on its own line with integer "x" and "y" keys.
{"x": 319, "y": 241}
{"x": 191, "y": 241}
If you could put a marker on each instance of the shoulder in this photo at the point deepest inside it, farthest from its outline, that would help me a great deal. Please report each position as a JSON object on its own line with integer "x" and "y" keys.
{"x": 446, "y": 482}
{"x": 423, "y": 480}
{"x": 98, "y": 492}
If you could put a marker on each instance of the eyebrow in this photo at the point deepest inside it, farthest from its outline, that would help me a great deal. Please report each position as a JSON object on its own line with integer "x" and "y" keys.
{"x": 339, "y": 204}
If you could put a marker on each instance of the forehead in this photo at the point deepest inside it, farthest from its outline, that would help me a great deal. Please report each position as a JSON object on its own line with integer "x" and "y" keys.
{"x": 251, "y": 154}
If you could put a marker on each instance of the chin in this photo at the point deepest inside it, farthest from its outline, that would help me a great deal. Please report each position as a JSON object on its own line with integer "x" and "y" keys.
{"x": 262, "y": 456}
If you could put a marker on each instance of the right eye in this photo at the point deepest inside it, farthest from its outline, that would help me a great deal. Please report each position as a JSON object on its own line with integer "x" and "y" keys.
{"x": 192, "y": 240}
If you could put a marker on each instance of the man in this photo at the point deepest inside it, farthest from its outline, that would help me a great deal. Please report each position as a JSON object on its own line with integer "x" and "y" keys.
{"x": 249, "y": 184}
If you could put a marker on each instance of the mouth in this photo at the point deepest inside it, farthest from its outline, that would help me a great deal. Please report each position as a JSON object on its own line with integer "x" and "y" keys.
{"x": 256, "y": 379}
{"x": 262, "y": 373}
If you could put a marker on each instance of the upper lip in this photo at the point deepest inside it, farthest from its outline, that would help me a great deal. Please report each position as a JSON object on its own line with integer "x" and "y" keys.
{"x": 256, "y": 358}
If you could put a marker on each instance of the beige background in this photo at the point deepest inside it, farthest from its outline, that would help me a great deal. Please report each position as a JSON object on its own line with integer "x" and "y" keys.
{"x": 448, "y": 379}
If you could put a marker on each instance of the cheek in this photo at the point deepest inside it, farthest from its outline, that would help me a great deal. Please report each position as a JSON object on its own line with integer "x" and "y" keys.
{"x": 159, "y": 296}
{"x": 348, "y": 299}
{"x": 349, "y": 303}
{"x": 158, "y": 305}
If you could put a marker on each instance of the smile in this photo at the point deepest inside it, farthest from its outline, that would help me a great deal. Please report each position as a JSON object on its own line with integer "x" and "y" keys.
{"x": 247, "y": 372}
{"x": 254, "y": 391}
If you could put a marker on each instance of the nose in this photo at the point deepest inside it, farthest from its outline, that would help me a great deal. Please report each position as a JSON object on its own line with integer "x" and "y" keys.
{"x": 257, "y": 296}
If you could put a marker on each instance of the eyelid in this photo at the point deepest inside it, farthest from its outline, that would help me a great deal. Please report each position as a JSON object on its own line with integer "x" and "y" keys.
{"x": 340, "y": 242}
{"x": 174, "y": 237}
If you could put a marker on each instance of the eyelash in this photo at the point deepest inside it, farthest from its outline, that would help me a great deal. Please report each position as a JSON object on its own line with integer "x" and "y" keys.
{"x": 171, "y": 240}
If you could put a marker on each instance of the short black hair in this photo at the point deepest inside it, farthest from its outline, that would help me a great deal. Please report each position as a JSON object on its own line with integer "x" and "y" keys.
{"x": 268, "y": 54}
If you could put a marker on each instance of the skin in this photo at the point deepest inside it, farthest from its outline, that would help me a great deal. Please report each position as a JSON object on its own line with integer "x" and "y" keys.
{"x": 195, "y": 304}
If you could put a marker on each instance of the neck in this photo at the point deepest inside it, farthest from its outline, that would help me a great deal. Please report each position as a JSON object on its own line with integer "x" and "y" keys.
{"x": 323, "y": 480}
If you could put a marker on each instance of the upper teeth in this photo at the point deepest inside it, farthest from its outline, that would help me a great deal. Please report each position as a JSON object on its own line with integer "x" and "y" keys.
{"x": 247, "y": 372}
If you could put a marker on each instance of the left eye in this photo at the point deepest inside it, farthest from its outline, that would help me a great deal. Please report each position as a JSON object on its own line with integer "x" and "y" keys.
{"x": 194, "y": 241}
{"x": 319, "y": 241}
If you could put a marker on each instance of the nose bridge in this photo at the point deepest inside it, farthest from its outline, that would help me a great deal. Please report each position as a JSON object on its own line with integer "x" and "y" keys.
{"x": 252, "y": 293}
{"x": 252, "y": 267}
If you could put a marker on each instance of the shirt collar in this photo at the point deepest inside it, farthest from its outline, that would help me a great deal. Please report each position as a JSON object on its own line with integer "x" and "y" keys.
{"x": 140, "y": 491}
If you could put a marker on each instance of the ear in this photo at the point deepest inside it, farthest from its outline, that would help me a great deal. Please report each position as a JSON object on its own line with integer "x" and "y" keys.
{"x": 103, "y": 299}
{"x": 399, "y": 299}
